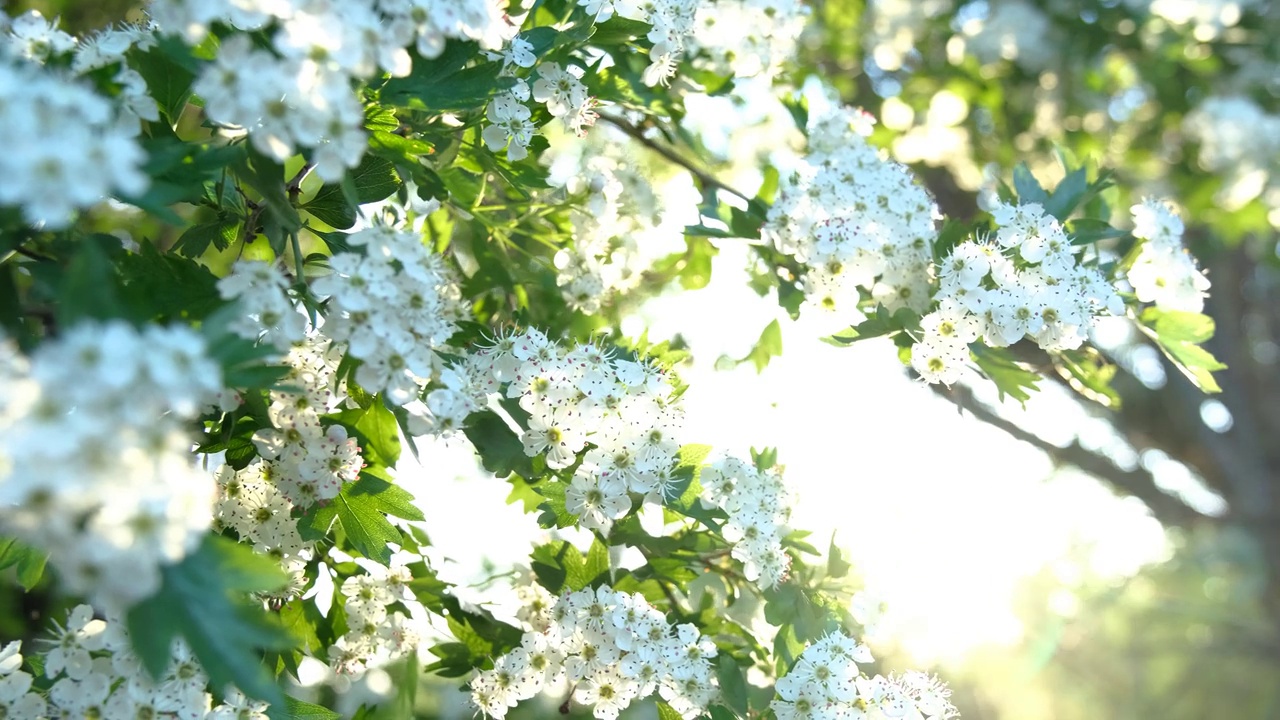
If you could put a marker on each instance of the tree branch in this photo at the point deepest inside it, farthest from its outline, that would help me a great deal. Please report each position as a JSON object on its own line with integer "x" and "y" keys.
{"x": 703, "y": 176}
{"x": 1137, "y": 482}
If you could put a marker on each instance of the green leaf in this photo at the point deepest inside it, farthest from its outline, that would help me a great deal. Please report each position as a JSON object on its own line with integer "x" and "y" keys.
{"x": 554, "y": 513}
{"x": 167, "y": 287}
{"x": 524, "y": 493}
{"x": 295, "y": 709}
{"x": 1179, "y": 335}
{"x": 768, "y": 346}
{"x": 372, "y": 180}
{"x": 196, "y": 240}
{"x": 360, "y": 511}
{"x": 666, "y": 712}
{"x": 500, "y": 449}
{"x": 1067, "y": 195}
{"x": 1085, "y": 231}
{"x": 201, "y": 599}
{"x": 30, "y": 561}
{"x": 444, "y": 83}
{"x": 879, "y": 323}
{"x": 696, "y": 270}
{"x": 733, "y": 684}
{"x": 618, "y": 30}
{"x": 837, "y": 566}
{"x": 1027, "y": 187}
{"x": 1010, "y": 378}
{"x": 1091, "y": 375}
{"x": 90, "y": 286}
{"x": 389, "y": 497}
{"x": 169, "y": 69}
{"x": 377, "y": 430}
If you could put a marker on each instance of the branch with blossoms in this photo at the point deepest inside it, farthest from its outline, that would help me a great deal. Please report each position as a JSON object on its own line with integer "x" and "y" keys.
{"x": 259, "y": 251}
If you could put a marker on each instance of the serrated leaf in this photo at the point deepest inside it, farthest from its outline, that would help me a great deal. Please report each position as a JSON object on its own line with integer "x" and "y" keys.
{"x": 196, "y": 240}
{"x": 1067, "y": 195}
{"x": 169, "y": 69}
{"x": 30, "y": 561}
{"x": 1090, "y": 374}
{"x": 1027, "y": 187}
{"x": 1010, "y": 378}
{"x": 377, "y": 430}
{"x": 362, "y": 519}
{"x": 766, "y": 348}
{"x": 500, "y": 449}
{"x": 837, "y": 566}
{"x": 1179, "y": 334}
{"x": 388, "y": 497}
{"x": 618, "y": 30}
{"x": 554, "y": 512}
{"x": 295, "y": 709}
{"x": 524, "y": 493}
{"x": 666, "y": 712}
{"x": 90, "y": 285}
{"x": 372, "y": 180}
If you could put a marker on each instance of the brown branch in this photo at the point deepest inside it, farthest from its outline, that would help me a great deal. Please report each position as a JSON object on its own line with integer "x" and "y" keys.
{"x": 704, "y": 177}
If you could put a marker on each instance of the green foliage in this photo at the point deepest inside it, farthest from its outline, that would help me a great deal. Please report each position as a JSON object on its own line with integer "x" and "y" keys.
{"x": 201, "y": 599}
{"x": 1010, "y": 378}
{"x": 1179, "y": 335}
{"x": 28, "y": 562}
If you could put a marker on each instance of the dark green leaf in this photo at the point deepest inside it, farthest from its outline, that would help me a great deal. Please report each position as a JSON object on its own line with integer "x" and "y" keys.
{"x": 499, "y": 448}
{"x": 1028, "y": 188}
{"x": 196, "y": 240}
{"x": 168, "y": 68}
{"x": 733, "y": 684}
{"x": 295, "y": 709}
{"x": 1067, "y": 195}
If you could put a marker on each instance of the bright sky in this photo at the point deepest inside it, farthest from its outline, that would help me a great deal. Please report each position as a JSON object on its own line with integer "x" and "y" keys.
{"x": 941, "y": 515}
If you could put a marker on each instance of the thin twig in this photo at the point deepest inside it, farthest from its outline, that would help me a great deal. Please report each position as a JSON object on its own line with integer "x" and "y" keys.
{"x": 703, "y": 176}
{"x": 295, "y": 185}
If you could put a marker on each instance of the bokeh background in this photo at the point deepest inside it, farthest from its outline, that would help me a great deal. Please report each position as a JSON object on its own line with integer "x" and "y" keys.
{"x": 1076, "y": 558}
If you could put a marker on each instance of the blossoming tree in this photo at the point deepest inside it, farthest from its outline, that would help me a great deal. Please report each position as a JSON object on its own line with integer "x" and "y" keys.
{"x": 249, "y": 251}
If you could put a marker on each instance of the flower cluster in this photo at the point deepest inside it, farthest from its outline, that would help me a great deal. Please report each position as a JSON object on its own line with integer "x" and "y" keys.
{"x": 70, "y": 145}
{"x": 857, "y": 221}
{"x": 826, "y": 683}
{"x": 673, "y": 25}
{"x": 308, "y": 461}
{"x": 394, "y": 305}
{"x": 269, "y": 310}
{"x": 1164, "y": 272}
{"x": 758, "y": 506}
{"x": 95, "y": 462}
{"x": 615, "y": 648}
{"x": 250, "y": 503}
{"x": 627, "y": 411}
{"x": 618, "y": 208}
{"x": 16, "y": 698}
{"x": 298, "y": 93}
{"x": 93, "y": 673}
{"x": 378, "y": 632}
{"x": 1025, "y": 281}
{"x": 558, "y": 87}
{"x": 1239, "y": 140}
{"x": 749, "y": 38}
